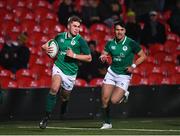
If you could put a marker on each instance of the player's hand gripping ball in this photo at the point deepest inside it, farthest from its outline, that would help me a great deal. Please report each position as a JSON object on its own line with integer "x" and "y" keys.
{"x": 54, "y": 48}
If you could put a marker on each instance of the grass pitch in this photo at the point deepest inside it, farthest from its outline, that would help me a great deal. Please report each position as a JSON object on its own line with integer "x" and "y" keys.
{"x": 134, "y": 126}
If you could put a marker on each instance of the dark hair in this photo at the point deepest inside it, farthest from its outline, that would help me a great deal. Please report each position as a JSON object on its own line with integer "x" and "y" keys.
{"x": 119, "y": 22}
{"x": 74, "y": 18}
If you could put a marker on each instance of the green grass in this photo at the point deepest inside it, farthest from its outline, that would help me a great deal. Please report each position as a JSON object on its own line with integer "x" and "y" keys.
{"x": 150, "y": 126}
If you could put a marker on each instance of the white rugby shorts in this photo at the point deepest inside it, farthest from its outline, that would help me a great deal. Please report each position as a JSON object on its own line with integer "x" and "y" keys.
{"x": 67, "y": 81}
{"x": 121, "y": 81}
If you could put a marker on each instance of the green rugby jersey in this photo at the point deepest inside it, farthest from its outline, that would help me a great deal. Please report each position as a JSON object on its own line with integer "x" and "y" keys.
{"x": 122, "y": 54}
{"x": 67, "y": 65}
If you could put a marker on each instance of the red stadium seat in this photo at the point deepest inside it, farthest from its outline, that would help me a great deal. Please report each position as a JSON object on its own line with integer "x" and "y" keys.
{"x": 3, "y": 12}
{"x": 150, "y": 59}
{"x": 59, "y": 28}
{"x": 155, "y": 48}
{"x": 34, "y": 84}
{"x": 95, "y": 82}
{"x": 9, "y": 84}
{"x": 41, "y": 13}
{"x": 87, "y": 37}
{"x": 30, "y": 16}
{"x": 176, "y": 78}
{"x": 45, "y": 82}
{"x": 167, "y": 81}
{"x": 155, "y": 79}
{"x": 172, "y": 37}
{"x": 47, "y": 73}
{"x": 170, "y": 46}
{"x": 99, "y": 28}
{"x": 177, "y": 68}
{"x": 25, "y": 74}
{"x": 20, "y": 12}
{"x": 24, "y": 83}
{"x": 9, "y": 16}
{"x": 48, "y": 26}
{"x": 141, "y": 71}
{"x": 31, "y": 4}
{"x": 52, "y": 16}
{"x": 35, "y": 39}
{"x": 20, "y": 3}
{"x": 136, "y": 78}
{"x": 43, "y": 4}
{"x": 166, "y": 15}
{"x": 2, "y": 40}
{"x": 28, "y": 25}
{"x": 145, "y": 49}
{"x": 38, "y": 66}
{"x": 168, "y": 69}
{"x": 6, "y": 75}
{"x": 2, "y": 4}
{"x": 144, "y": 81}
{"x": 159, "y": 57}
{"x": 169, "y": 59}
{"x": 14, "y": 32}
{"x": 7, "y": 26}
{"x": 108, "y": 37}
{"x": 80, "y": 82}
{"x": 84, "y": 30}
{"x": 145, "y": 68}
{"x": 56, "y": 5}
{"x": 157, "y": 70}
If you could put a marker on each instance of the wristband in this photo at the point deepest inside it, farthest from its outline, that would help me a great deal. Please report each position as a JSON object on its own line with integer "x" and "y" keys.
{"x": 74, "y": 55}
{"x": 133, "y": 65}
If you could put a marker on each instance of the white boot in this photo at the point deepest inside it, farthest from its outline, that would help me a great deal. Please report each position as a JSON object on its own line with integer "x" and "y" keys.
{"x": 125, "y": 97}
{"x": 106, "y": 126}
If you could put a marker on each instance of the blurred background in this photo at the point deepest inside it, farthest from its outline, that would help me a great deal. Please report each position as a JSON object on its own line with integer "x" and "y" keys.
{"x": 25, "y": 70}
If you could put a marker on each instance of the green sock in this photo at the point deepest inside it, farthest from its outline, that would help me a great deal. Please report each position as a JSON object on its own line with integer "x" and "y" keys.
{"x": 63, "y": 107}
{"x": 50, "y": 102}
{"x": 106, "y": 115}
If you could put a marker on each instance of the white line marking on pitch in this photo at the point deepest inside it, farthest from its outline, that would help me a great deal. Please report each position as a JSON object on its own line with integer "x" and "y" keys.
{"x": 122, "y": 129}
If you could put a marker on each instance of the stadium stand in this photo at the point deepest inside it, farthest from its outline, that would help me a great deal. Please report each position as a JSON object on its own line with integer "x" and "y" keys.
{"x": 40, "y": 20}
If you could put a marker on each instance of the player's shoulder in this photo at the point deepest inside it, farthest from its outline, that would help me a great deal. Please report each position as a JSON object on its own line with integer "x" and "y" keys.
{"x": 61, "y": 34}
{"x": 80, "y": 38}
{"x": 110, "y": 41}
{"x": 130, "y": 40}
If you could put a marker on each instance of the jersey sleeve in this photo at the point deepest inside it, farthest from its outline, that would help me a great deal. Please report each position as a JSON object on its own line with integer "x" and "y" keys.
{"x": 135, "y": 46}
{"x": 57, "y": 37}
{"x": 84, "y": 46}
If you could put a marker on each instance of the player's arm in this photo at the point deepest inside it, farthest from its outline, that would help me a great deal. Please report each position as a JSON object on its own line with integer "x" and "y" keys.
{"x": 80, "y": 57}
{"x": 47, "y": 48}
{"x": 139, "y": 60}
{"x": 85, "y": 52}
{"x": 104, "y": 56}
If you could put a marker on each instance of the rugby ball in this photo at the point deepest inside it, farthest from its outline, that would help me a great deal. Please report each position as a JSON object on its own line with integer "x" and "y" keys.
{"x": 52, "y": 43}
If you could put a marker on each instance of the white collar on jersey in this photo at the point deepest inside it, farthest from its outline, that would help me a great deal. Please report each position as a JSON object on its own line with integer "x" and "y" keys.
{"x": 66, "y": 36}
{"x": 124, "y": 40}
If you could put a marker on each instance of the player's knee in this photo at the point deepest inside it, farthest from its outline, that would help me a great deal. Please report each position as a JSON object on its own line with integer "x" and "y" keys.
{"x": 105, "y": 99}
{"x": 114, "y": 101}
{"x": 54, "y": 90}
{"x": 65, "y": 96}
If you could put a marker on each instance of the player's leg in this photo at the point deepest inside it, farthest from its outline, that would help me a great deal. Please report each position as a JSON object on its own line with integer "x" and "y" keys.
{"x": 106, "y": 96}
{"x": 121, "y": 92}
{"x": 51, "y": 100}
{"x": 65, "y": 95}
{"x": 67, "y": 85}
{"x": 117, "y": 95}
